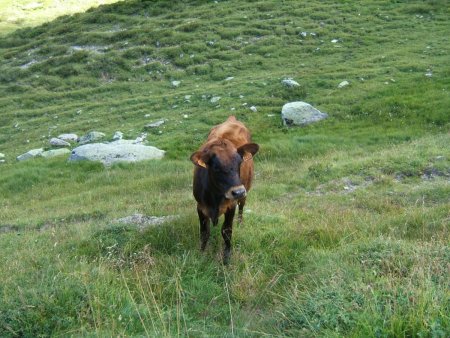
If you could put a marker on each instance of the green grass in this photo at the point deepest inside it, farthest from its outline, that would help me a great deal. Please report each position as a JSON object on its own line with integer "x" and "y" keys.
{"x": 346, "y": 232}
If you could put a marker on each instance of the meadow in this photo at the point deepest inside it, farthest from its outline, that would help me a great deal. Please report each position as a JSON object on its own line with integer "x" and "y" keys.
{"x": 346, "y": 230}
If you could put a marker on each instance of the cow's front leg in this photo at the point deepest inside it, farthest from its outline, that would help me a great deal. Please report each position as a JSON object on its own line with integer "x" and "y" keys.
{"x": 227, "y": 231}
{"x": 204, "y": 228}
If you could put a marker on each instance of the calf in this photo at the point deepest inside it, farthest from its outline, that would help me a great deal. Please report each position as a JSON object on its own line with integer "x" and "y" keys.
{"x": 223, "y": 175}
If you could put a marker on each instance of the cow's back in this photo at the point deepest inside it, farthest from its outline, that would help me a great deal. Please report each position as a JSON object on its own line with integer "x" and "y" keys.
{"x": 232, "y": 130}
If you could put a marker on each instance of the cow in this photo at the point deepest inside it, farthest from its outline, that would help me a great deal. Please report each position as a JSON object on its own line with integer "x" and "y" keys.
{"x": 223, "y": 175}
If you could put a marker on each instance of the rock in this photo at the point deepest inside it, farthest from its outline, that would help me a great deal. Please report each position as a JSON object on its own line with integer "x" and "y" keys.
{"x": 68, "y": 137}
{"x": 253, "y": 109}
{"x": 334, "y": 41}
{"x": 55, "y": 152}
{"x": 91, "y": 137}
{"x": 175, "y": 84}
{"x": 229, "y": 78}
{"x": 56, "y": 142}
{"x": 2, "y": 156}
{"x": 343, "y": 84}
{"x": 140, "y": 139}
{"x": 215, "y": 99}
{"x": 187, "y": 98}
{"x": 155, "y": 124}
{"x": 118, "y": 135}
{"x": 119, "y": 151}
{"x": 289, "y": 83}
{"x": 143, "y": 221}
{"x": 300, "y": 114}
{"x": 30, "y": 154}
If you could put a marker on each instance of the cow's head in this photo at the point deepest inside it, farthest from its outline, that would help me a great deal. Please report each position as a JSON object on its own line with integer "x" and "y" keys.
{"x": 223, "y": 161}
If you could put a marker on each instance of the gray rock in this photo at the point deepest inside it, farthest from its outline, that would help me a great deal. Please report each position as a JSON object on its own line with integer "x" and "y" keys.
{"x": 343, "y": 84}
{"x": 253, "y": 109}
{"x": 289, "y": 83}
{"x": 143, "y": 221}
{"x": 229, "y": 78}
{"x": 91, "y": 137}
{"x": 176, "y": 84}
{"x": 30, "y": 154}
{"x": 68, "y": 137}
{"x": 300, "y": 114}
{"x": 155, "y": 124}
{"x": 55, "y": 152}
{"x": 57, "y": 142}
{"x": 120, "y": 151}
{"x": 215, "y": 99}
{"x": 2, "y": 156}
{"x": 118, "y": 135}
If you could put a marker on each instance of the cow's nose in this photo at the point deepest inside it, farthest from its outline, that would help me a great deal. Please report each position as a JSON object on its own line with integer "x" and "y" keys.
{"x": 238, "y": 193}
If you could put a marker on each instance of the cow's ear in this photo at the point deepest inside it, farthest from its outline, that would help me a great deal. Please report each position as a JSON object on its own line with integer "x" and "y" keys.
{"x": 248, "y": 150}
{"x": 199, "y": 159}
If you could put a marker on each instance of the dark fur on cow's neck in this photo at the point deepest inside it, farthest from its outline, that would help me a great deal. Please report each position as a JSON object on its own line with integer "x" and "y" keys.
{"x": 210, "y": 195}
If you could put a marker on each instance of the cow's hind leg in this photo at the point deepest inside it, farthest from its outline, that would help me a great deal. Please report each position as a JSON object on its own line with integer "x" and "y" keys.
{"x": 241, "y": 210}
{"x": 204, "y": 229}
{"x": 227, "y": 231}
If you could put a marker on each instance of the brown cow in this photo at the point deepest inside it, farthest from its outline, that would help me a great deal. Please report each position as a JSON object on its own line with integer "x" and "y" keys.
{"x": 223, "y": 175}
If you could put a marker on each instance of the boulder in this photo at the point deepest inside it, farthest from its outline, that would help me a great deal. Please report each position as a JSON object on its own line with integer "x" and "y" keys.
{"x": 300, "y": 114}
{"x": 30, "y": 154}
{"x": 120, "y": 151}
{"x": 57, "y": 142}
{"x": 91, "y": 137}
{"x": 68, "y": 137}
{"x": 55, "y": 152}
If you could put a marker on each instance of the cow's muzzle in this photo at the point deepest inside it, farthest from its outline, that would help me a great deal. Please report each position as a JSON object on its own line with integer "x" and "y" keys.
{"x": 236, "y": 192}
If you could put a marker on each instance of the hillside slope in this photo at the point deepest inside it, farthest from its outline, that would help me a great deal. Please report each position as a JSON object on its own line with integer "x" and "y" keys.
{"x": 347, "y": 227}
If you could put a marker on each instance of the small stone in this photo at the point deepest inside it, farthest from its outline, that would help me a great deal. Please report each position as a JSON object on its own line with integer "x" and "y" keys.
{"x": 215, "y": 99}
{"x": 290, "y": 83}
{"x": 56, "y": 142}
{"x": 343, "y": 84}
{"x": 429, "y": 73}
{"x": 176, "y": 84}
{"x": 229, "y": 78}
{"x": 304, "y": 34}
{"x": 187, "y": 98}
{"x": 334, "y": 41}
{"x": 155, "y": 124}
{"x": 118, "y": 135}
{"x": 253, "y": 109}
{"x": 91, "y": 137}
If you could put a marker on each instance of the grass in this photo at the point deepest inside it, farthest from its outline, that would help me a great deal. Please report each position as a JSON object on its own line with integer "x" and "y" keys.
{"x": 346, "y": 228}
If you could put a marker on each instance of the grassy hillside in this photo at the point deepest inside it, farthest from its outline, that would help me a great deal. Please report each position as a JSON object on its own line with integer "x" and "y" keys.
{"x": 346, "y": 231}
